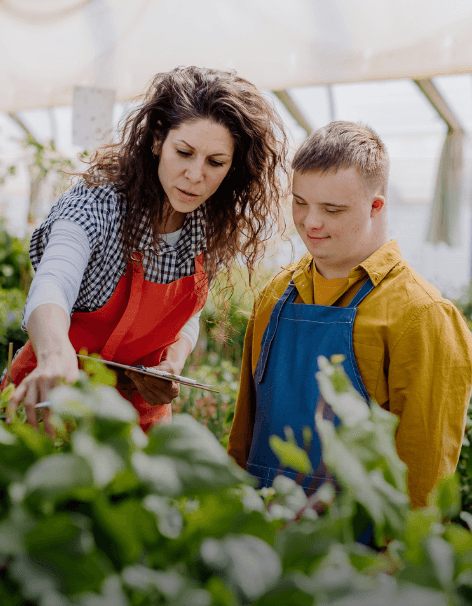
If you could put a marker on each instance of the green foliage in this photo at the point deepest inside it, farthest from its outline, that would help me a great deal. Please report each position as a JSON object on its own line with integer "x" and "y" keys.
{"x": 15, "y": 277}
{"x": 464, "y": 467}
{"x": 113, "y": 516}
{"x": 15, "y": 266}
{"x": 12, "y": 302}
{"x": 215, "y": 410}
{"x": 216, "y": 360}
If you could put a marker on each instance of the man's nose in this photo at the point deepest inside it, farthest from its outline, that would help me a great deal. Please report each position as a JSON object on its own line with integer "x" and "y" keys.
{"x": 313, "y": 220}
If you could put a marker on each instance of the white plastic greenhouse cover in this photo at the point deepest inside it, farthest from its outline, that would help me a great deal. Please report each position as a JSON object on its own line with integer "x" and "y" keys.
{"x": 48, "y": 46}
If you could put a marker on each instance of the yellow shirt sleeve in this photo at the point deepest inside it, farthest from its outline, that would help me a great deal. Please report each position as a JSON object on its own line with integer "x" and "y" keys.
{"x": 429, "y": 383}
{"x": 240, "y": 438}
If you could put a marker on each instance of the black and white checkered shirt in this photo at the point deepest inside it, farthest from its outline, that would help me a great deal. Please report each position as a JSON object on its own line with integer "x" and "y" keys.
{"x": 98, "y": 211}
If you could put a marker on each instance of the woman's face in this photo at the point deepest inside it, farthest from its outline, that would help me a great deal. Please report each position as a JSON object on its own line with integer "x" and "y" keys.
{"x": 194, "y": 160}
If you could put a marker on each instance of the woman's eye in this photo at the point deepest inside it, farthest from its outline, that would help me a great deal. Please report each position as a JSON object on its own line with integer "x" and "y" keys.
{"x": 183, "y": 153}
{"x": 215, "y": 163}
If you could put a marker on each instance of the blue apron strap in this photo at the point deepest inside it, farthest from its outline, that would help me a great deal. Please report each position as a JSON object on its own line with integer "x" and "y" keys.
{"x": 289, "y": 296}
{"x": 365, "y": 289}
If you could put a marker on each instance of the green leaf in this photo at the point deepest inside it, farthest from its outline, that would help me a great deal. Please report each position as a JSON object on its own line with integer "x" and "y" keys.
{"x": 168, "y": 583}
{"x": 448, "y": 497}
{"x": 160, "y": 473}
{"x": 185, "y": 458}
{"x": 247, "y": 563}
{"x": 290, "y": 455}
{"x": 7, "y": 437}
{"x": 289, "y": 499}
{"x": 169, "y": 519}
{"x": 57, "y": 475}
{"x": 287, "y": 592}
{"x": 346, "y": 402}
{"x": 419, "y": 526}
{"x": 85, "y": 401}
{"x": 461, "y": 541}
{"x": 122, "y": 530}
{"x": 441, "y": 554}
{"x": 111, "y": 594}
{"x": 103, "y": 459}
{"x": 13, "y": 531}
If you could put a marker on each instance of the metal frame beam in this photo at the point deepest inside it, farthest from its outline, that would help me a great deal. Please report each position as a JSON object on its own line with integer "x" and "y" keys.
{"x": 428, "y": 88}
{"x": 293, "y": 109}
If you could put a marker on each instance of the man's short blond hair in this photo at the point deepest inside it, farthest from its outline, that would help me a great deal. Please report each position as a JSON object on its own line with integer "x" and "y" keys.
{"x": 343, "y": 144}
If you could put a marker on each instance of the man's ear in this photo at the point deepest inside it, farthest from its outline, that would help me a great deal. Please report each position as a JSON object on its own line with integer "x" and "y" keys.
{"x": 378, "y": 204}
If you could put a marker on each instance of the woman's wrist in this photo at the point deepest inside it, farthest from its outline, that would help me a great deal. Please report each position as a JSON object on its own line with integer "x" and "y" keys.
{"x": 176, "y": 355}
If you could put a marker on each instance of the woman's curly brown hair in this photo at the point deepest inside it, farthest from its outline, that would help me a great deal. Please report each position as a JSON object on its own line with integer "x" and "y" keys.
{"x": 242, "y": 213}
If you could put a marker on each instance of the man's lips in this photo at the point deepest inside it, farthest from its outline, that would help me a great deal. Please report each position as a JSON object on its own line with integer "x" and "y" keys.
{"x": 317, "y": 238}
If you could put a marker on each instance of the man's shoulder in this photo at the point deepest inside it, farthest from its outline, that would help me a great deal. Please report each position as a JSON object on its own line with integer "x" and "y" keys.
{"x": 409, "y": 285}
{"x": 276, "y": 286}
{"x": 412, "y": 299}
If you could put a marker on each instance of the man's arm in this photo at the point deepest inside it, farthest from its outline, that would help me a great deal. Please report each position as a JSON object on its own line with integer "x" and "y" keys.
{"x": 240, "y": 438}
{"x": 430, "y": 378}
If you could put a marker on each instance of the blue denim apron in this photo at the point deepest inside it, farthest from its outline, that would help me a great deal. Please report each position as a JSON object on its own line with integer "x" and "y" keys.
{"x": 286, "y": 388}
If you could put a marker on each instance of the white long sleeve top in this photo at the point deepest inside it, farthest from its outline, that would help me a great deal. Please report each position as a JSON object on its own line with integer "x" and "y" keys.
{"x": 60, "y": 272}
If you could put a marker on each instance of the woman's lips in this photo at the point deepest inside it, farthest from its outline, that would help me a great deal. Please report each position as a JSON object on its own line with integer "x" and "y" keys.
{"x": 187, "y": 196}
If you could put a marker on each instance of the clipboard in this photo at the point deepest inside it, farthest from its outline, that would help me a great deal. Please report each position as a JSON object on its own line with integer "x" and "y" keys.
{"x": 152, "y": 372}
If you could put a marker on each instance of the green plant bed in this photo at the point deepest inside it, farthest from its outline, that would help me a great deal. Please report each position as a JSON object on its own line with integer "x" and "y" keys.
{"x": 12, "y": 302}
{"x": 108, "y": 515}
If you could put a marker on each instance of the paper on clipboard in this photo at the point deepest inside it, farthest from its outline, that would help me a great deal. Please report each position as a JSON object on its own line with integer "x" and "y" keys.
{"x": 153, "y": 372}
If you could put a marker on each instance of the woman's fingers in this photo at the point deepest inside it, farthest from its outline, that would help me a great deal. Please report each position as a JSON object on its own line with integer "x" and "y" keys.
{"x": 31, "y": 399}
{"x": 155, "y": 391}
{"x": 49, "y": 429}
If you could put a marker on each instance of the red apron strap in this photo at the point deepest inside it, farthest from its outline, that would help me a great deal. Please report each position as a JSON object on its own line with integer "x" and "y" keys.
{"x": 131, "y": 310}
{"x": 199, "y": 263}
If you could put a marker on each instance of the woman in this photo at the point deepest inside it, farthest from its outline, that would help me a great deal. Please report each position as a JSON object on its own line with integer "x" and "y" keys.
{"x": 130, "y": 249}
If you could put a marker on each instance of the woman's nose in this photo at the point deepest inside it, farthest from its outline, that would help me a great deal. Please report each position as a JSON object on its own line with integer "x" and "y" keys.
{"x": 194, "y": 172}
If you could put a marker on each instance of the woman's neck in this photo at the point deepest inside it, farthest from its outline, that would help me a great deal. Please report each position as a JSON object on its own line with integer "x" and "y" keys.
{"x": 171, "y": 222}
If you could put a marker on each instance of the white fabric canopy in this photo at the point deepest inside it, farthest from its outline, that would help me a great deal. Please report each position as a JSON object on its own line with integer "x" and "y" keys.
{"x": 48, "y": 46}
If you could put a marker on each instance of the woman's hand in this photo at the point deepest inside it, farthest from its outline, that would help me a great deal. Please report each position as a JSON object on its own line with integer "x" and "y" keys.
{"x": 155, "y": 390}
{"x": 48, "y": 328}
{"x": 36, "y": 386}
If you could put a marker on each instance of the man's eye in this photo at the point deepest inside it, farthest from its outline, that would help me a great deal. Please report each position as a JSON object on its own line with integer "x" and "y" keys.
{"x": 332, "y": 211}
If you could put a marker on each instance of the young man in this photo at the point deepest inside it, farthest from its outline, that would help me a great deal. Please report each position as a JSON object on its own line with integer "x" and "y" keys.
{"x": 406, "y": 347}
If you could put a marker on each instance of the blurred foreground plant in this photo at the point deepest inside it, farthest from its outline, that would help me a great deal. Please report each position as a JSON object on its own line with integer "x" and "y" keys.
{"x": 115, "y": 517}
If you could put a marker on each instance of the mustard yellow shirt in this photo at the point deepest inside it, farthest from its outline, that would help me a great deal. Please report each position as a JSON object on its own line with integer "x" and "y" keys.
{"x": 413, "y": 350}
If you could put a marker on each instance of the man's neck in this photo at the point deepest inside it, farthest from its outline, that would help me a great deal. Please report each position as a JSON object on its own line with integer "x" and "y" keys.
{"x": 331, "y": 272}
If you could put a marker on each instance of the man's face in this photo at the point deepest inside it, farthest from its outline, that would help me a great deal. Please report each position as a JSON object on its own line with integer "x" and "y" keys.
{"x": 337, "y": 217}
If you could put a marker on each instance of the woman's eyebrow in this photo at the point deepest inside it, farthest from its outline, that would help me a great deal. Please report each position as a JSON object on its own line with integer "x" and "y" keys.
{"x": 191, "y": 147}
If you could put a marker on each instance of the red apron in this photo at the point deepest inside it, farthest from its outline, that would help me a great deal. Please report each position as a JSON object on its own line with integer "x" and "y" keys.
{"x": 136, "y": 325}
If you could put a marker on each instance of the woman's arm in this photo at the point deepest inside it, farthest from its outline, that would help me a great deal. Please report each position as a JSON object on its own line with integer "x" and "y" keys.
{"x": 47, "y": 316}
{"x": 48, "y": 328}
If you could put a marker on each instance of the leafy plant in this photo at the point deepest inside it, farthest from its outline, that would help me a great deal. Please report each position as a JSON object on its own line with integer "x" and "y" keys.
{"x": 15, "y": 266}
{"x": 12, "y": 302}
{"x": 112, "y": 516}
{"x": 215, "y": 410}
